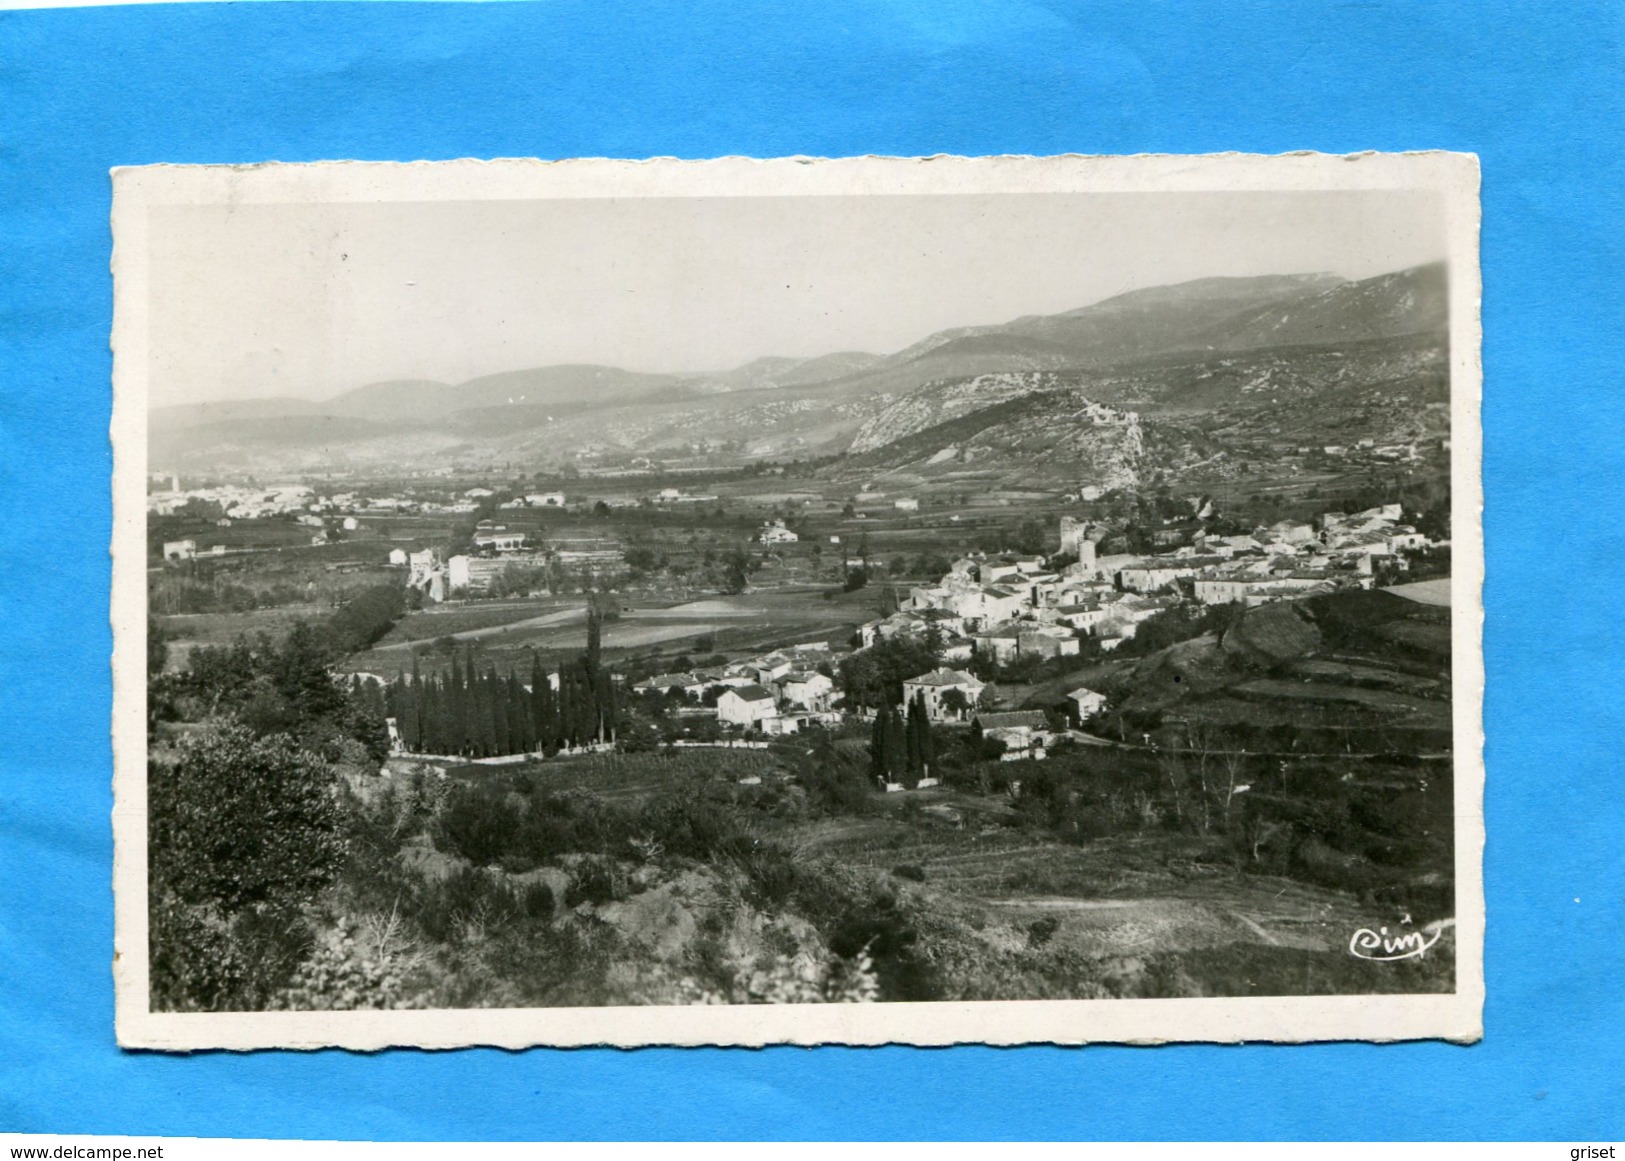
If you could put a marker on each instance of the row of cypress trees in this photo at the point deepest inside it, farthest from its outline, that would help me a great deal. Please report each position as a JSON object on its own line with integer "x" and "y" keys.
{"x": 901, "y": 748}
{"x": 481, "y": 714}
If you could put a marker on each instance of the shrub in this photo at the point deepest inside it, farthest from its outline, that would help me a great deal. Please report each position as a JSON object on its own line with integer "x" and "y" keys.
{"x": 238, "y": 821}
{"x": 473, "y": 899}
{"x": 478, "y": 823}
{"x": 593, "y": 881}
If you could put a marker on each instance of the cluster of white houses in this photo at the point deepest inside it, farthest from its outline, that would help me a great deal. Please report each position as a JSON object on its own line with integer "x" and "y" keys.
{"x": 501, "y": 552}
{"x": 789, "y": 690}
{"x": 1009, "y": 607}
{"x": 781, "y": 692}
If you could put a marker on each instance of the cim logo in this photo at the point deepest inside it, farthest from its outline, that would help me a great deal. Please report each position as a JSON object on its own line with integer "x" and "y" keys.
{"x": 1385, "y": 948}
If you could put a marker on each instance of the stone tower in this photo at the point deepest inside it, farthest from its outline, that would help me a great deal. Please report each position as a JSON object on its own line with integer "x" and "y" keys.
{"x": 1075, "y": 541}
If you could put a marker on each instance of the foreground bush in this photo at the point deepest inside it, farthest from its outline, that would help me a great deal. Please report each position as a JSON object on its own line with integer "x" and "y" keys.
{"x": 244, "y": 831}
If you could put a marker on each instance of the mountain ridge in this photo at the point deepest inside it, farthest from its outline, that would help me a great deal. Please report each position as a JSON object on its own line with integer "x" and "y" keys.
{"x": 787, "y": 406}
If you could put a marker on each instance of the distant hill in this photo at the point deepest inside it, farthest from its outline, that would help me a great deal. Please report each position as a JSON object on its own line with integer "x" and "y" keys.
{"x": 179, "y": 417}
{"x": 1407, "y": 302}
{"x": 540, "y": 386}
{"x": 1209, "y": 344}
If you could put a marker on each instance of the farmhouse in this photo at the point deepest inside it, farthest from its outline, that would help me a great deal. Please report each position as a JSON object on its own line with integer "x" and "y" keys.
{"x": 1001, "y": 643}
{"x": 397, "y": 556}
{"x": 935, "y": 688}
{"x": 747, "y": 706}
{"x": 180, "y": 549}
{"x": 500, "y": 541}
{"x": 770, "y": 667}
{"x": 545, "y": 499}
{"x": 1085, "y": 704}
{"x": 1024, "y": 733}
{"x": 777, "y": 533}
{"x": 906, "y": 504}
{"x": 808, "y": 691}
{"x": 1046, "y": 641}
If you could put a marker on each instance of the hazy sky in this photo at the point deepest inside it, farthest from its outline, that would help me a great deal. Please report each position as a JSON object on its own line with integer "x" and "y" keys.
{"x": 312, "y": 300}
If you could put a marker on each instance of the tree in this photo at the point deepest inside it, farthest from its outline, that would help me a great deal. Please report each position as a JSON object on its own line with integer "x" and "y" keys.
{"x": 157, "y": 647}
{"x": 239, "y": 821}
{"x": 914, "y": 769}
{"x": 595, "y": 635}
{"x": 877, "y": 745}
{"x": 896, "y": 745}
{"x": 956, "y": 702}
{"x": 927, "y": 743}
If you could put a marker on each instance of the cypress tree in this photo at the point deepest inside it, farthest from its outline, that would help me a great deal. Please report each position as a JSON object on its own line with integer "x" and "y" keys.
{"x": 497, "y": 695}
{"x": 612, "y": 708}
{"x": 910, "y": 747}
{"x": 914, "y": 758}
{"x": 457, "y": 698}
{"x": 896, "y": 744}
{"x": 565, "y": 712}
{"x": 877, "y": 745}
{"x": 434, "y": 717}
{"x": 595, "y": 635}
{"x": 418, "y": 723}
{"x": 928, "y": 742}
{"x": 547, "y": 717}
{"x": 538, "y": 700}
{"x": 586, "y": 703}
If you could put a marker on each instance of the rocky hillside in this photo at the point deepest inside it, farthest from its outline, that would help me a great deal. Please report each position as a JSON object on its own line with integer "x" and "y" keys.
{"x": 1040, "y": 438}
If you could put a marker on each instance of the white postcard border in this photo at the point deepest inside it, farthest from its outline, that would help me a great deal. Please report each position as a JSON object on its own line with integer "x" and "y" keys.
{"x": 1457, "y": 1016}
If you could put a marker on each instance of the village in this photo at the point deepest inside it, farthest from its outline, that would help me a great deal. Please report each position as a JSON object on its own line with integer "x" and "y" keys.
{"x": 986, "y": 613}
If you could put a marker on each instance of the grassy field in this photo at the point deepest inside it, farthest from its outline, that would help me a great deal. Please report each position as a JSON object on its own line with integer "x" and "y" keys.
{"x": 195, "y": 630}
{"x": 506, "y": 634}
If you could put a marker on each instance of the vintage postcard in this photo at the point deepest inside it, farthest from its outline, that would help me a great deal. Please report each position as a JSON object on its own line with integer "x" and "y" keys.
{"x": 939, "y": 600}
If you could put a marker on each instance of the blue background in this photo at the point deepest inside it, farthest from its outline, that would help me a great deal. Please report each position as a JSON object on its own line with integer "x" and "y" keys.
{"x": 1535, "y": 90}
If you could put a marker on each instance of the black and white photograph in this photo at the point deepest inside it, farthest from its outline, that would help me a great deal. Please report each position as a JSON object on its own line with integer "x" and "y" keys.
{"x": 877, "y": 600}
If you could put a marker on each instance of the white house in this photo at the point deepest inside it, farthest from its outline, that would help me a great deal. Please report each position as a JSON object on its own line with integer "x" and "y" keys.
{"x": 545, "y": 499}
{"x": 1001, "y": 643}
{"x": 351, "y": 524}
{"x": 808, "y": 691}
{"x": 777, "y": 533}
{"x": 397, "y": 556}
{"x": 771, "y": 667}
{"x": 747, "y": 706}
{"x": 1149, "y": 577}
{"x": 1046, "y": 641}
{"x": 1025, "y": 733}
{"x": 500, "y": 541}
{"x": 1221, "y": 590}
{"x": 687, "y": 683}
{"x": 180, "y": 549}
{"x": 935, "y": 686}
{"x": 1085, "y": 704}
{"x": 906, "y": 504}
